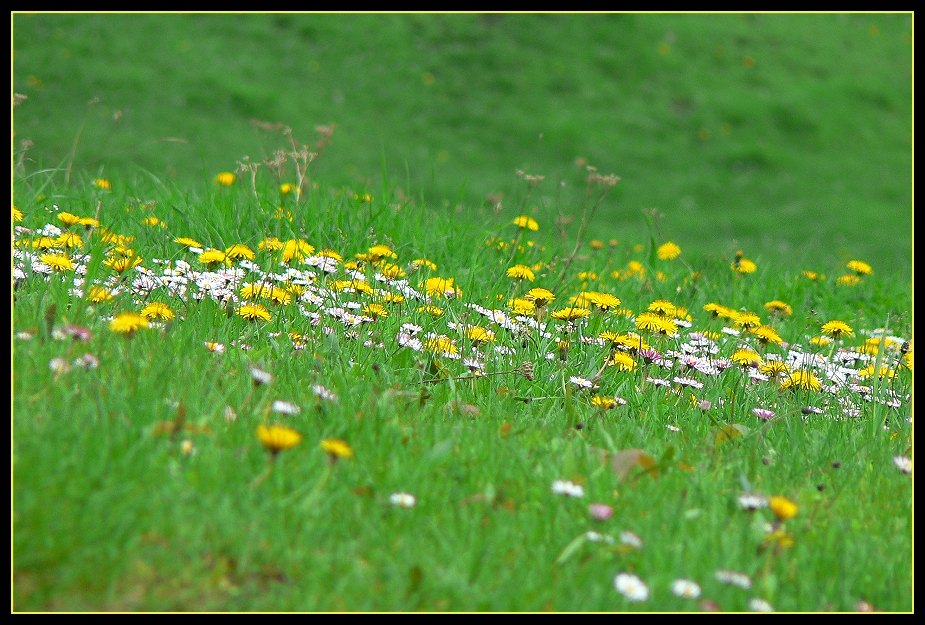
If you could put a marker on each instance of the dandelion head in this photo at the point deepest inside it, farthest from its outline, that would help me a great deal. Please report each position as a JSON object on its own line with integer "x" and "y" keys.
{"x": 225, "y": 179}
{"x": 277, "y": 438}
{"x": 127, "y": 323}
{"x": 668, "y": 251}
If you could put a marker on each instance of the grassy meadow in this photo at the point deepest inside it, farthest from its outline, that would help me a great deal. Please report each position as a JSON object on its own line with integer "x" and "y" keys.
{"x": 462, "y": 313}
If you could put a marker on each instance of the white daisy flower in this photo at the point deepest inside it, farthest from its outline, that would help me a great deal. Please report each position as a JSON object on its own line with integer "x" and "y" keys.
{"x": 685, "y": 588}
{"x": 631, "y": 587}
{"x": 564, "y": 487}
{"x": 757, "y": 604}
{"x": 285, "y": 407}
{"x": 402, "y": 500}
{"x": 903, "y": 463}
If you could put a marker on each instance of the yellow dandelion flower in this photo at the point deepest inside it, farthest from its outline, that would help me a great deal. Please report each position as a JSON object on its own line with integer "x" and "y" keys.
{"x": 376, "y": 311}
{"x": 778, "y": 307}
{"x": 746, "y": 320}
{"x": 859, "y": 267}
{"x": 253, "y": 291}
{"x": 295, "y": 249}
{"x": 336, "y": 448}
{"x": 153, "y": 222}
{"x": 433, "y": 311}
{"x": 783, "y": 508}
{"x": 631, "y": 341}
{"x": 571, "y": 313}
{"x": 441, "y": 286}
{"x": 360, "y": 286}
{"x": 225, "y": 179}
{"x": 622, "y": 360}
{"x": 520, "y": 306}
{"x": 746, "y": 358}
{"x": 606, "y": 403}
{"x": 378, "y": 252}
{"x": 653, "y": 322}
{"x": 98, "y": 294}
{"x": 127, "y": 323}
{"x": 604, "y": 301}
{"x": 663, "y": 307}
{"x": 668, "y": 251}
{"x": 281, "y": 296}
{"x": 718, "y": 310}
{"x": 270, "y": 244}
{"x": 478, "y": 334}
{"x": 58, "y": 262}
{"x": 68, "y": 219}
{"x": 441, "y": 345}
{"x": 102, "y": 183}
{"x": 69, "y": 240}
{"x": 526, "y": 222}
{"x": 521, "y": 272}
{"x": 43, "y": 243}
{"x": 744, "y": 265}
{"x": 213, "y": 257}
{"x": 89, "y": 222}
{"x": 254, "y": 312}
{"x": 277, "y": 438}
{"x": 121, "y": 265}
{"x": 239, "y": 250}
{"x": 848, "y": 279}
{"x": 767, "y": 334}
{"x": 801, "y": 379}
{"x": 884, "y": 372}
{"x": 157, "y": 310}
{"x": 837, "y": 329}
{"x": 423, "y": 262}
{"x": 392, "y": 271}
{"x": 187, "y": 242}
{"x": 820, "y": 341}
{"x": 587, "y": 276}
{"x": 328, "y": 253}
{"x": 540, "y": 297}
{"x": 287, "y": 187}
{"x": 17, "y": 215}
{"x": 774, "y": 368}
{"x": 596, "y": 244}
{"x": 391, "y": 298}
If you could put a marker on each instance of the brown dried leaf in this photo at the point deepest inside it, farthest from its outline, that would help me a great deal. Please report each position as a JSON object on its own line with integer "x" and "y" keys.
{"x": 623, "y": 462}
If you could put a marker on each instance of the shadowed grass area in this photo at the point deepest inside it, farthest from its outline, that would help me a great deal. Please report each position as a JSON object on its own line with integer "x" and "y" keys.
{"x": 783, "y": 134}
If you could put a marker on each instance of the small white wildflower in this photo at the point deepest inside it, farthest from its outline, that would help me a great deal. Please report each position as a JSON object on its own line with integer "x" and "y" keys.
{"x": 734, "y": 578}
{"x": 59, "y": 365}
{"x": 323, "y": 393}
{"x": 631, "y": 587}
{"x": 631, "y": 540}
{"x": 259, "y": 376}
{"x": 691, "y": 382}
{"x": 564, "y": 487}
{"x": 673, "y": 428}
{"x": 285, "y": 407}
{"x": 685, "y": 588}
{"x": 752, "y": 502}
{"x": 218, "y": 348}
{"x": 581, "y": 382}
{"x": 903, "y": 463}
{"x": 757, "y": 604}
{"x": 402, "y": 500}
{"x": 597, "y": 537}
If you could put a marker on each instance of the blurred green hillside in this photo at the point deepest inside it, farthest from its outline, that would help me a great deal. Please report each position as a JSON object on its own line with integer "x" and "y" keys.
{"x": 785, "y": 135}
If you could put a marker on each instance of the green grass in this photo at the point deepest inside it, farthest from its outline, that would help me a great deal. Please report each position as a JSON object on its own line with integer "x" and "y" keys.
{"x": 778, "y": 134}
{"x": 141, "y": 484}
{"x": 110, "y": 512}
